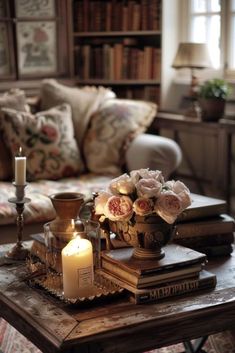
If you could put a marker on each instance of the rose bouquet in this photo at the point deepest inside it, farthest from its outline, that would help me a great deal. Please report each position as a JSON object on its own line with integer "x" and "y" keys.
{"x": 142, "y": 192}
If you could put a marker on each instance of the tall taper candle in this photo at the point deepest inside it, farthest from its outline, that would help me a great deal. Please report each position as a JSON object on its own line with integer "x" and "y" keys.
{"x": 20, "y": 169}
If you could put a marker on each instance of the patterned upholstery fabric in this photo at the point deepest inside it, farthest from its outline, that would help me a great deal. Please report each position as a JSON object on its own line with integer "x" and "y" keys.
{"x": 47, "y": 140}
{"x": 40, "y": 208}
{"x": 83, "y": 101}
{"x": 112, "y": 129}
{"x": 14, "y": 99}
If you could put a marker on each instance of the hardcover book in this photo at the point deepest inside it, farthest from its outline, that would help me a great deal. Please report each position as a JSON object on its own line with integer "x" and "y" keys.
{"x": 204, "y": 227}
{"x": 205, "y": 280}
{"x": 203, "y": 207}
{"x": 144, "y": 281}
{"x": 216, "y": 250}
{"x": 176, "y": 256}
{"x": 209, "y": 240}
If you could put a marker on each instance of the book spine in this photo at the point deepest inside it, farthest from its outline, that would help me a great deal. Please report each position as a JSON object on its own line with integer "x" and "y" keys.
{"x": 217, "y": 250}
{"x": 209, "y": 240}
{"x": 173, "y": 290}
{"x": 203, "y": 212}
{"x": 188, "y": 230}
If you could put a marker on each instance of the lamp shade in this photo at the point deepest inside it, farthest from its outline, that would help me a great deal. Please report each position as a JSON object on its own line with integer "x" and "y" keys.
{"x": 192, "y": 55}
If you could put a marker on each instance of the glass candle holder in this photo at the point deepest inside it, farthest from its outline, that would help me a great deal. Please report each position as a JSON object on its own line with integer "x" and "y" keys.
{"x": 58, "y": 235}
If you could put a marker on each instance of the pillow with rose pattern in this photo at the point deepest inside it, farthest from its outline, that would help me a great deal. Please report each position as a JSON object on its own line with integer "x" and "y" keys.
{"x": 14, "y": 99}
{"x": 47, "y": 140}
{"x": 111, "y": 130}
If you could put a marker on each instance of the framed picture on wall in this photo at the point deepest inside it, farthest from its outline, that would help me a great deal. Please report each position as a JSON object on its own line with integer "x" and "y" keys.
{"x": 35, "y": 8}
{"x": 5, "y": 68}
{"x": 37, "y": 48}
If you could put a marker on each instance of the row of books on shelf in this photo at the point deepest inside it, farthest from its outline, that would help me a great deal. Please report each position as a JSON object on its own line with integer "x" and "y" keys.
{"x": 118, "y": 61}
{"x": 147, "y": 93}
{"x": 117, "y": 15}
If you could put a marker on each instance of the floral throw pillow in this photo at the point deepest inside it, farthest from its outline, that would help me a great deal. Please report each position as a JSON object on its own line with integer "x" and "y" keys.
{"x": 15, "y": 99}
{"x": 111, "y": 130}
{"x": 83, "y": 101}
{"x": 47, "y": 140}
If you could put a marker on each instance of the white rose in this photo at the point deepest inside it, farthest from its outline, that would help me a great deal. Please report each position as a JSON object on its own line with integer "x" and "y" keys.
{"x": 122, "y": 185}
{"x": 136, "y": 175}
{"x": 100, "y": 202}
{"x": 181, "y": 190}
{"x": 148, "y": 188}
{"x": 168, "y": 206}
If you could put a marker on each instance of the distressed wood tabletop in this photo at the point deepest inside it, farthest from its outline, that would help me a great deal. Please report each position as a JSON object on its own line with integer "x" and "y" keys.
{"x": 117, "y": 325}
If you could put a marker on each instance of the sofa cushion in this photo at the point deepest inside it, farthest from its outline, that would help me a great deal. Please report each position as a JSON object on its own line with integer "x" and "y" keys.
{"x": 84, "y": 101}
{"x": 111, "y": 130}
{"x": 40, "y": 208}
{"x": 47, "y": 140}
{"x": 14, "y": 99}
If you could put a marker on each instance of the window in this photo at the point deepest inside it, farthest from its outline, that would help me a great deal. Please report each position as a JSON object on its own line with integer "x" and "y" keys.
{"x": 32, "y": 36}
{"x": 212, "y": 22}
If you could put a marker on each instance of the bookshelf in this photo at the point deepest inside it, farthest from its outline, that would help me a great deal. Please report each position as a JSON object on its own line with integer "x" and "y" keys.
{"x": 117, "y": 43}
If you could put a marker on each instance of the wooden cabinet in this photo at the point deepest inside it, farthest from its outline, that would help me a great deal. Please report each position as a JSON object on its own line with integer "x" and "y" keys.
{"x": 117, "y": 43}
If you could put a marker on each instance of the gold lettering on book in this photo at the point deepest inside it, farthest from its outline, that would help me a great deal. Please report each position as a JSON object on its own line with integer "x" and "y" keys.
{"x": 173, "y": 289}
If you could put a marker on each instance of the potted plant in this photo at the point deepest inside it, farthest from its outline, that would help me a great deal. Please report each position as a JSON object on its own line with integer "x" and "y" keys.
{"x": 212, "y": 98}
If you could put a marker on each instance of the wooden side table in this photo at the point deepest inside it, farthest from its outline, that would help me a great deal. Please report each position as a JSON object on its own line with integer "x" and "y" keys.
{"x": 222, "y": 131}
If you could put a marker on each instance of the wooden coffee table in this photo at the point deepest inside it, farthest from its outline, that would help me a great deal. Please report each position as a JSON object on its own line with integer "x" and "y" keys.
{"x": 118, "y": 325}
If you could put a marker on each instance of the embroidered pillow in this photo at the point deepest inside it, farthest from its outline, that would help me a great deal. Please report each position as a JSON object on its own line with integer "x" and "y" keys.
{"x": 14, "y": 99}
{"x": 83, "y": 101}
{"x": 47, "y": 139}
{"x": 111, "y": 130}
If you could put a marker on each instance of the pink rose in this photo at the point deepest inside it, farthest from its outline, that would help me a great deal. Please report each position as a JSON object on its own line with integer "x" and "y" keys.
{"x": 100, "y": 202}
{"x": 143, "y": 206}
{"x": 148, "y": 188}
{"x": 118, "y": 208}
{"x": 181, "y": 190}
{"x": 122, "y": 185}
{"x": 168, "y": 206}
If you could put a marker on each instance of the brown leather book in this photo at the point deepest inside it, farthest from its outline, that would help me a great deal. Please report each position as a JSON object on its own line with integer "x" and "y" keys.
{"x": 204, "y": 227}
{"x": 203, "y": 207}
{"x": 176, "y": 256}
{"x": 209, "y": 240}
{"x": 205, "y": 280}
{"x": 152, "y": 279}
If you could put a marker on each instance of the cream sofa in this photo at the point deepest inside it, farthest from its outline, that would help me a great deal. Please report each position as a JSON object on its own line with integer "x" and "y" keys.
{"x": 77, "y": 139}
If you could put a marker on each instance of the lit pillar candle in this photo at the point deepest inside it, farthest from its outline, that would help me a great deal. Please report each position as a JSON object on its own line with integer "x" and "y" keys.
{"x": 20, "y": 169}
{"x": 77, "y": 268}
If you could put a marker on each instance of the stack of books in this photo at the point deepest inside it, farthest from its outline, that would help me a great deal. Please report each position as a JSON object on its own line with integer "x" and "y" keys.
{"x": 206, "y": 227}
{"x": 180, "y": 271}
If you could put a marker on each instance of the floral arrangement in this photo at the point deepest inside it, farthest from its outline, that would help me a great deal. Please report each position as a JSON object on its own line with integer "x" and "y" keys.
{"x": 144, "y": 192}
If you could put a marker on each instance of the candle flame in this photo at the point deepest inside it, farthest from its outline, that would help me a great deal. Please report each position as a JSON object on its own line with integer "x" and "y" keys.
{"x": 20, "y": 151}
{"x": 76, "y": 235}
{"x": 76, "y": 243}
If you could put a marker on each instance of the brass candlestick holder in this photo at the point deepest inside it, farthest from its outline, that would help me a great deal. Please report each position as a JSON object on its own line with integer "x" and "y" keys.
{"x": 18, "y": 252}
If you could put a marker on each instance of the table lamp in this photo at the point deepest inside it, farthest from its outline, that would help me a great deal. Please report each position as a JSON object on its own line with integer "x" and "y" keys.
{"x": 193, "y": 56}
